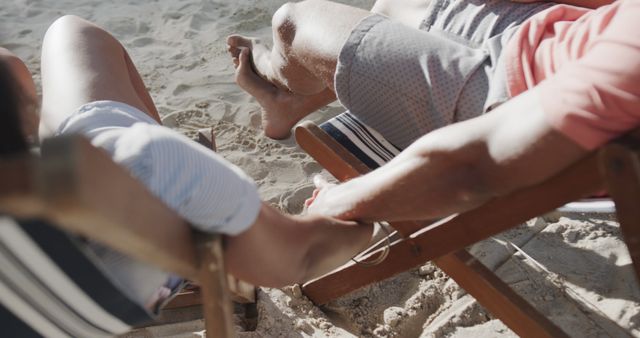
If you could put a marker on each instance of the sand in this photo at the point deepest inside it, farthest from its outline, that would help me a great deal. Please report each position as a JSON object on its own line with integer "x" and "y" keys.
{"x": 574, "y": 268}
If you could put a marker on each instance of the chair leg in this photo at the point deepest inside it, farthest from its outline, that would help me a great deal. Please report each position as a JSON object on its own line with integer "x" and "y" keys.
{"x": 620, "y": 166}
{"x": 216, "y": 302}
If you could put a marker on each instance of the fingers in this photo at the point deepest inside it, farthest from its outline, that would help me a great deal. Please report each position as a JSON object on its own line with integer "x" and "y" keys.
{"x": 310, "y": 200}
{"x": 320, "y": 182}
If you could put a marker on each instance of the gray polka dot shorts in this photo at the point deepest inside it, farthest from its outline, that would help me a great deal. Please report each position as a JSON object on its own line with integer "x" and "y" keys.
{"x": 405, "y": 82}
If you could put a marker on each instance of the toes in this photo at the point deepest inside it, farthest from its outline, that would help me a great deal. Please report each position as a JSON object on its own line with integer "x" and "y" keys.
{"x": 234, "y": 51}
{"x": 243, "y": 64}
{"x": 239, "y": 41}
{"x": 248, "y": 79}
{"x": 236, "y": 42}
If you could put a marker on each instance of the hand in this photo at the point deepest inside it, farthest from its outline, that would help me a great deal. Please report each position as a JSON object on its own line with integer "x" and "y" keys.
{"x": 324, "y": 200}
{"x": 320, "y": 184}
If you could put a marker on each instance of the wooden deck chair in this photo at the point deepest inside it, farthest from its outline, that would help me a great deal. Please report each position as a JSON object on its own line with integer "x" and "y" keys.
{"x": 347, "y": 148}
{"x": 54, "y": 289}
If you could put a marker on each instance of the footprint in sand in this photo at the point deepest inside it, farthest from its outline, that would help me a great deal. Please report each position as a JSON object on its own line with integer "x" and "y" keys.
{"x": 293, "y": 202}
{"x": 188, "y": 122}
{"x": 141, "y": 42}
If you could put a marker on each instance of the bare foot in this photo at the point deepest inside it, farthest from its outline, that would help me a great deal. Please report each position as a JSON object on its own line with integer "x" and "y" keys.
{"x": 281, "y": 109}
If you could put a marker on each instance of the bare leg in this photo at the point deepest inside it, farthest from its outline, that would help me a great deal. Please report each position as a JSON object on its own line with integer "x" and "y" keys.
{"x": 281, "y": 109}
{"x": 82, "y": 63}
{"x": 295, "y": 77}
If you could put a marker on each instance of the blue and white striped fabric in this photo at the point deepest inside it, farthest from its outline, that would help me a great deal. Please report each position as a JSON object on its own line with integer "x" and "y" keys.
{"x": 364, "y": 142}
{"x": 49, "y": 287}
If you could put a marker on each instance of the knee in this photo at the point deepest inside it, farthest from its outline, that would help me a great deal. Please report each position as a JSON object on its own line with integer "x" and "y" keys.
{"x": 71, "y": 28}
{"x": 65, "y": 25}
{"x": 383, "y": 7}
{"x": 290, "y": 17}
{"x": 284, "y": 23}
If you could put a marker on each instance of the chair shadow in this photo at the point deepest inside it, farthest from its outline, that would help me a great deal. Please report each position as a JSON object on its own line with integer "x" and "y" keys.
{"x": 584, "y": 260}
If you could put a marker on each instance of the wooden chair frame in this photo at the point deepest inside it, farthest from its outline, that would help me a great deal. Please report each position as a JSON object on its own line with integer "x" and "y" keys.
{"x": 615, "y": 166}
{"x": 79, "y": 188}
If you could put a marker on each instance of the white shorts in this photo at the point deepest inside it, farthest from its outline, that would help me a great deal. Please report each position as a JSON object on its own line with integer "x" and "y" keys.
{"x": 206, "y": 190}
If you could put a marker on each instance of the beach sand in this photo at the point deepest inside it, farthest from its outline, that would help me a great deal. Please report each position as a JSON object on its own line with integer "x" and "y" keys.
{"x": 576, "y": 269}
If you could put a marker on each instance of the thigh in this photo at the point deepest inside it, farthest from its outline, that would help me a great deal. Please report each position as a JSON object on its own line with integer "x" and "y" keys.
{"x": 82, "y": 63}
{"x": 401, "y": 81}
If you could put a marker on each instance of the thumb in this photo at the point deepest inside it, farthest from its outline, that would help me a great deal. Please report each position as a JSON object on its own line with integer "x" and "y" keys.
{"x": 243, "y": 59}
{"x": 320, "y": 182}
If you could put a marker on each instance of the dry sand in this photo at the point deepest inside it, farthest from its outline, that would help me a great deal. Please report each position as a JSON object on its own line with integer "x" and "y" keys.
{"x": 575, "y": 270}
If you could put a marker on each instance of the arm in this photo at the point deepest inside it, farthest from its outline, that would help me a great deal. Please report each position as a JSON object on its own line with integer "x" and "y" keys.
{"x": 458, "y": 167}
{"x": 587, "y": 3}
{"x": 280, "y": 250}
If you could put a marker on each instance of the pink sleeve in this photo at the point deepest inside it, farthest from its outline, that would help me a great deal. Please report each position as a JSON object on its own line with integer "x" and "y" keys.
{"x": 597, "y": 97}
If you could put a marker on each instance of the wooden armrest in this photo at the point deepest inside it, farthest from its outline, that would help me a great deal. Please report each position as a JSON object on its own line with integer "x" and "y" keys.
{"x": 80, "y": 188}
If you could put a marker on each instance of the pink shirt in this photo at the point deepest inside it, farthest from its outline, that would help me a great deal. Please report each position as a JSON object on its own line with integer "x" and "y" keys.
{"x": 586, "y": 65}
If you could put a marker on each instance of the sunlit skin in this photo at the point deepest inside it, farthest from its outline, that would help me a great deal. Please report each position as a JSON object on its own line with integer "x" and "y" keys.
{"x": 82, "y": 63}
{"x": 294, "y": 77}
{"x": 27, "y": 88}
{"x": 450, "y": 170}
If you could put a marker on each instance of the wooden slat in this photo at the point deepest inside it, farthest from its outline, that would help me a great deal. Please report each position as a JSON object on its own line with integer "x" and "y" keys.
{"x": 79, "y": 188}
{"x": 207, "y": 138}
{"x": 621, "y": 167}
{"x": 460, "y": 231}
{"x": 241, "y": 292}
{"x": 216, "y": 304}
{"x": 341, "y": 163}
{"x": 18, "y": 190}
{"x": 185, "y": 299}
{"x": 469, "y": 273}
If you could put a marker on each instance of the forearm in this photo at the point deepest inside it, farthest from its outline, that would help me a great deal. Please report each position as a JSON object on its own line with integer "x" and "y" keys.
{"x": 586, "y": 3}
{"x": 426, "y": 181}
{"x": 579, "y": 3}
{"x": 458, "y": 167}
